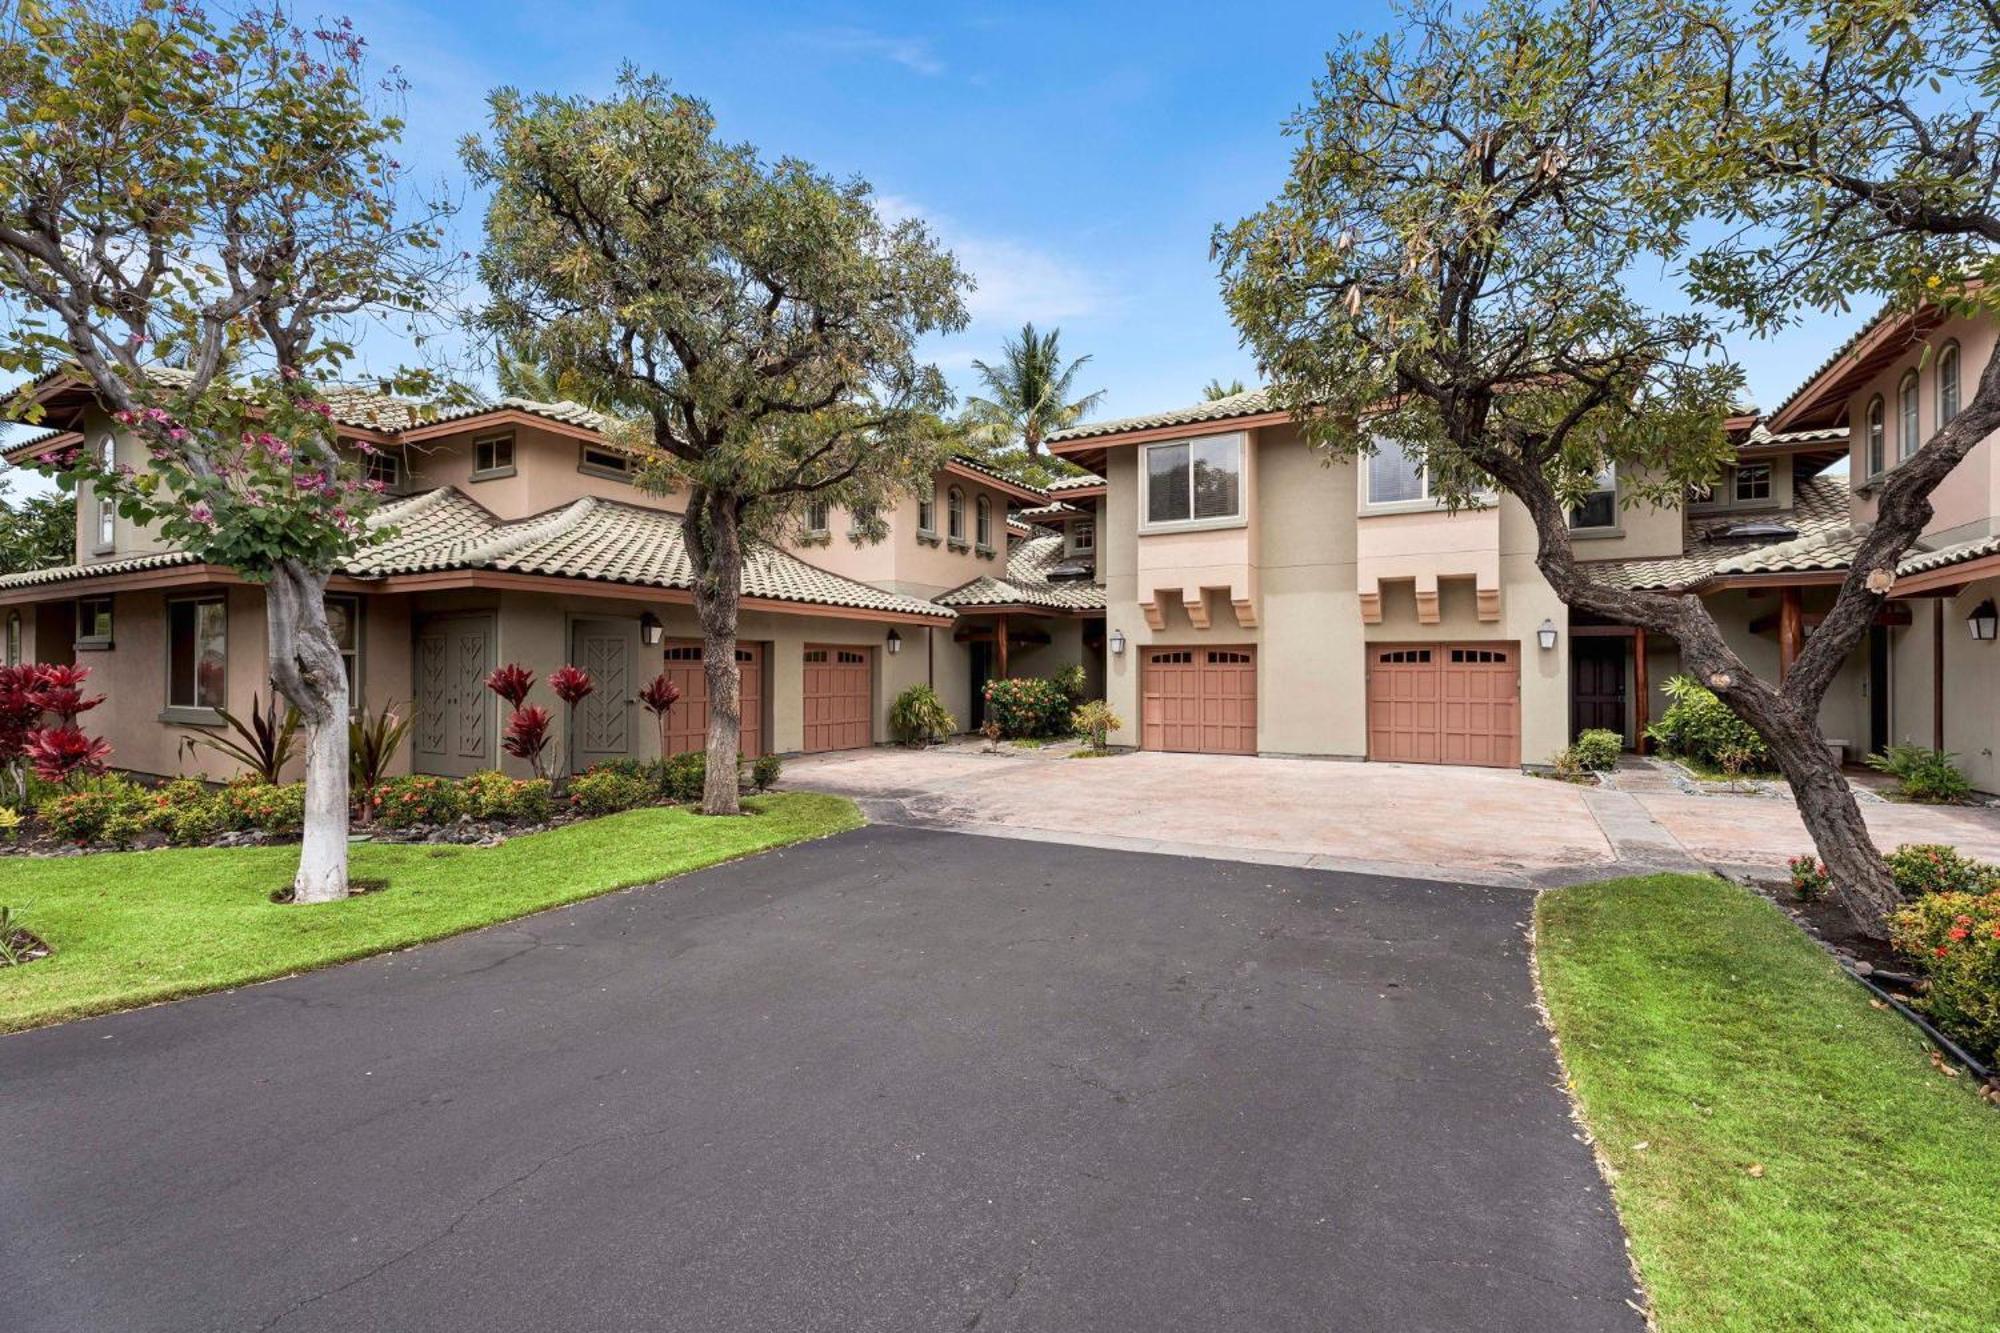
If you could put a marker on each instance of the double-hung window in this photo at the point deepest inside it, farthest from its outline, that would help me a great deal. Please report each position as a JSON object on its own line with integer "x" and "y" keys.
{"x": 927, "y": 513}
{"x": 954, "y": 514}
{"x": 1599, "y": 508}
{"x": 1195, "y": 482}
{"x": 818, "y": 518}
{"x": 197, "y": 653}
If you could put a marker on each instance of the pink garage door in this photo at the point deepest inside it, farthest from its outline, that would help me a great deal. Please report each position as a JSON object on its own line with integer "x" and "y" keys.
{"x": 1446, "y": 703}
{"x": 1200, "y": 700}
{"x": 839, "y": 697}
{"x": 687, "y": 723}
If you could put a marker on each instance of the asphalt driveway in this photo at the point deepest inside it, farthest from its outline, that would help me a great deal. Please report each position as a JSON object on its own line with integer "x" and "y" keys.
{"x": 895, "y": 1080}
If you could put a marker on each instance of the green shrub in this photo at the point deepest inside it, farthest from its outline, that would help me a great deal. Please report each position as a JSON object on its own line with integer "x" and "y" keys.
{"x": 919, "y": 717}
{"x": 420, "y": 798}
{"x": 1810, "y": 879}
{"x": 606, "y": 791}
{"x": 1955, "y": 939}
{"x": 684, "y": 775}
{"x": 1921, "y": 868}
{"x": 1701, "y": 727}
{"x": 1923, "y": 774}
{"x": 1027, "y": 706}
{"x": 1598, "y": 749}
{"x": 1095, "y": 722}
{"x": 764, "y": 773}
{"x": 278, "y": 808}
{"x": 108, "y": 809}
{"x": 491, "y": 794}
{"x": 1072, "y": 682}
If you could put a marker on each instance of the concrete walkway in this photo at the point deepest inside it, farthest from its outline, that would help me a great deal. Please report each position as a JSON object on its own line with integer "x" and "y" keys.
{"x": 1472, "y": 825}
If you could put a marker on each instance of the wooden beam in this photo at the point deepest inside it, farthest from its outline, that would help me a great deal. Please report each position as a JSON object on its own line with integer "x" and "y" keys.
{"x": 1640, "y": 686}
{"x": 1000, "y": 635}
{"x": 1602, "y": 631}
{"x": 1937, "y": 674}
{"x": 1791, "y": 632}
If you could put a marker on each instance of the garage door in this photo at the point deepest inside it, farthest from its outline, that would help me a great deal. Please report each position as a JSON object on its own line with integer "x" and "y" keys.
{"x": 840, "y": 693}
{"x": 687, "y": 722}
{"x": 1451, "y": 703}
{"x": 1200, "y": 700}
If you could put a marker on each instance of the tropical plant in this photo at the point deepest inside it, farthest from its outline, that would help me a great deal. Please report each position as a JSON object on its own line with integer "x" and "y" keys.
{"x": 606, "y": 791}
{"x": 1072, "y": 681}
{"x": 491, "y": 794}
{"x": 1699, "y": 726}
{"x": 1809, "y": 877}
{"x": 1216, "y": 389}
{"x": 1954, "y": 939}
{"x": 417, "y": 799}
{"x": 10, "y": 823}
{"x": 1027, "y": 706}
{"x": 263, "y": 744}
{"x": 372, "y": 743}
{"x": 1923, "y": 774}
{"x": 684, "y": 777}
{"x": 659, "y": 697}
{"x": 765, "y": 771}
{"x": 918, "y": 717}
{"x": 243, "y": 206}
{"x": 104, "y": 809}
{"x": 36, "y": 532}
{"x": 779, "y": 313}
{"x": 1095, "y": 722}
{"x": 511, "y": 682}
{"x": 251, "y": 803}
{"x": 1919, "y": 868}
{"x": 18, "y": 944}
{"x": 1029, "y": 391}
{"x": 527, "y": 736}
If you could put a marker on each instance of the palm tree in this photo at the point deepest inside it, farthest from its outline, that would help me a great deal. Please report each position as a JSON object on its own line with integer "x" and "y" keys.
{"x": 1029, "y": 391}
{"x": 1215, "y": 389}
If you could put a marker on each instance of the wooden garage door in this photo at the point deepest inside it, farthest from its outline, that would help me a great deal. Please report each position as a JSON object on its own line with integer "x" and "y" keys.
{"x": 1449, "y": 703}
{"x": 839, "y": 694}
{"x": 687, "y": 724}
{"x": 1200, "y": 700}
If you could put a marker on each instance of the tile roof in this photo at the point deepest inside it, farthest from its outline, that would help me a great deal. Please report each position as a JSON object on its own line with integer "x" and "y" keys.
{"x": 1254, "y": 402}
{"x": 1053, "y": 509}
{"x": 591, "y": 539}
{"x": 1819, "y": 516}
{"x": 1918, "y": 562}
{"x": 564, "y": 411}
{"x": 1061, "y": 484}
{"x": 1027, "y": 582}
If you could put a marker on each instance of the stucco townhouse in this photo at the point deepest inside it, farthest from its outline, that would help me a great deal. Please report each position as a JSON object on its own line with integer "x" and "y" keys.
{"x": 514, "y": 533}
{"x": 1260, "y": 599}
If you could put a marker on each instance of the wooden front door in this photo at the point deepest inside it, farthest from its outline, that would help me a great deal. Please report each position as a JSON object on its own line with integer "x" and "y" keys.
{"x": 687, "y": 721}
{"x": 839, "y": 697}
{"x": 1597, "y": 685}
{"x": 1447, "y": 703}
{"x": 1199, "y": 700}
{"x": 602, "y": 725}
{"x": 456, "y": 728}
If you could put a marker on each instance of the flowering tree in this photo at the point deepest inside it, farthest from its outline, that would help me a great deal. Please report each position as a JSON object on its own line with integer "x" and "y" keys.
{"x": 191, "y": 209}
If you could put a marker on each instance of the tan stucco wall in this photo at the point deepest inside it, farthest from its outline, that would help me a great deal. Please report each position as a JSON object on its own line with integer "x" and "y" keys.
{"x": 1967, "y": 503}
{"x": 1971, "y": 684}
{"x": 903, "y": 562}
{"x": 547, "y": 474}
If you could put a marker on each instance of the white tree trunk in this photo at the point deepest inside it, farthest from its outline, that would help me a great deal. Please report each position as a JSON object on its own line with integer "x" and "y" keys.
{"x": 306, "y": 669}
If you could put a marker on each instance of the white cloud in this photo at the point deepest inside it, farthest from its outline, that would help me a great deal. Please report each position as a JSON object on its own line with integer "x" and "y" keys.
{"x": 1017, "y": 282}
{"x": 912, "y": 53}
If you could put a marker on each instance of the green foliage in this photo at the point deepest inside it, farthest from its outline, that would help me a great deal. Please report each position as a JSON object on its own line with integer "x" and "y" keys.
{"x": 10, "y": 823}
{"x": 1095, "y": 722}
{"x": 1030, "y": 394}
{"x": 1215, "y": 389}
{"x": 416, "y": 799}
{"x": 107, "y": 809}
{"x": 263, "y": 744}
{"x": 371, "y": 746}
{"x": 1597, "y": 749}
{"x": 278, "y": 808}
{"x": 1072, "y": 681}
{"x": 1954, "y": 939}
{"x": 1026, "y": 706}
{"x": 36, "y": 532}
{"x": 1699, "y": 726}
{"x": 491, "y": 794}
{"x": 683, "y": 776}
{"x": 1921, "y": 868}
{"x": 1810, "y": 878}
{"x": 1923, "y": 774}
{"x": 606, "y": 791}
{"x": 18, "y": 944}
{"x": 766, "y": 771}
{"x": 919, "y": 717}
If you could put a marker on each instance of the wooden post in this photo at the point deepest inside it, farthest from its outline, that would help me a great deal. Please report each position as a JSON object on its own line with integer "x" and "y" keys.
{"x": 1937, "y": 672}
{"x": 1642, "y": 704}
{"x": 1791, "y": 631}
{"x": 1000, "y": 637}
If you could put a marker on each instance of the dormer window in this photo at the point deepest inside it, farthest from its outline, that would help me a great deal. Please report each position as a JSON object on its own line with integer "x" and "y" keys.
{"x": 1877, "y": 437}
{"x": 605, "y": 463}
{"x": 493, "y": 457}
{"x": 1753, "y": 483}
{"x": 1083, "y": 536}
{"x": 1598, "y": 509}
{"x": 386, "y": 470}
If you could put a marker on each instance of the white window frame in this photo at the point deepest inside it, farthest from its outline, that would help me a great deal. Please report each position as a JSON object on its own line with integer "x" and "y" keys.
{"x": 1875, "y": 437}
{"x": 819, "y": 518}
{"x": 499, "y": 469}
{"x": 927, "y": 513}
{"x": 982, "y": 523}
{"x": 954, "y": 515}
{"x": 1374, "y": 506}
{"x": 1736, "y": 495}
{"x": 1909, "y": 416}
{"x": 1239, "y": 519}
{"x": 1949, "y": 362}
{"x": 1611, "y": 471}
{"x": 107, "y": 508}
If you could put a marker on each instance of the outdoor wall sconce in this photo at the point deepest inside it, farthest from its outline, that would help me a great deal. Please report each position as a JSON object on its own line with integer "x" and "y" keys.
{"x": 1985, "y": 621}
{"x": 1118, "y": 643}
{"x": 895, "y": 643}
{"x": 1547, "y": 635}
{"x": 651, "y": 630}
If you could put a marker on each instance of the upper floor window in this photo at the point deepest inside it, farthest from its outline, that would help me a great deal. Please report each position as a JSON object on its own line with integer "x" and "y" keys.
{"x": 954, "y": 514}
{"x": 1947, "y": 383}
{"x": 927, "y": 512}
{"x": 1598, "y": 509}
{"x": 1195, "y": 481}
{"x": 197, "y": 653}
{"x": 983, "y": 522}
{"x": 860, "y": 518}
{"x": 1876, "y": 436}
{"x": 493, "y": 457}
{"x": 385, "y": 470}
{"x": 818, "y": 517}
{"x": 107, "y": 508}
{"x": 605, "y": 463}
{"x": 1753, "y": 483}
{"x": 1906, "y": 417}
{"x": 1395, "y": 476}
{"x": 1083, "y": 535}
{"x": 93, "y": 622}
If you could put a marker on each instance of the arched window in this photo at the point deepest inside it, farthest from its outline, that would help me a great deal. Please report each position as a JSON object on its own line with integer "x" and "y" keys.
{"x": 1947, "y": 378}
{"x": 1906, "y": 417}
{"x": 954, "y": 514}
{"x": 107, "y": 509}
{"x": 927, "y": 512}
{"x": 1875, "y": 435}
{"x": 983, "y": 510}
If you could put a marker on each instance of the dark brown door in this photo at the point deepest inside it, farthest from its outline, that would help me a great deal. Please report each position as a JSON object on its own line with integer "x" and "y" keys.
{"x": 1597, "y": 685}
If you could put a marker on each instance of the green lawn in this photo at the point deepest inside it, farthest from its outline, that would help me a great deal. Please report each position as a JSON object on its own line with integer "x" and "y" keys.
{"x": 131, "y": 928}
{"x": 1697, "y": 1021}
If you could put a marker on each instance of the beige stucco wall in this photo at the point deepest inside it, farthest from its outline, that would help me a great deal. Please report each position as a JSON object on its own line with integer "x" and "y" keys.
{"x": 1967, "y": 503}
{"x": 908, "y": 563}
{"x": 548, "y": 473}
{"x": 1971, "y": 684}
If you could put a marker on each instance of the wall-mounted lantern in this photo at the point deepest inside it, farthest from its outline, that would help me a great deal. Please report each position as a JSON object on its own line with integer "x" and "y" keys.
{"x": 1118, "y": 643}
{"x": 1546, "y": 635}
{"x": 1985, "y": 621}
{"x": 895, "y": 642}
{"x": 651, "y": 630}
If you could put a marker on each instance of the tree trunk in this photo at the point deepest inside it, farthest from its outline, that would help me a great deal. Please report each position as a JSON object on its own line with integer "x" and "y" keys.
{"x": 713, "y": 530}
{"x": 1861, "y": 880}
{"x": 306, "y": 668}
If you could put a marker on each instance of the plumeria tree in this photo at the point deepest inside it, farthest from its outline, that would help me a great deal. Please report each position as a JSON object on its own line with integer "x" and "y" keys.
{"x": 758, "y": 318}
{"x": 195, "y": 209}
{"x": 1447, "y": 268}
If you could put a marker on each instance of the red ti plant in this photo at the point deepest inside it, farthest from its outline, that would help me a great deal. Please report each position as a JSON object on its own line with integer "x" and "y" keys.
{"x": 528, "y": 735}
{"x": 57, "y": 751}
{"x": 63, "y": 752}
{"x": 512, "y": 683}
{"x": 571, "y": 684}
{"x": 659, "y": 697}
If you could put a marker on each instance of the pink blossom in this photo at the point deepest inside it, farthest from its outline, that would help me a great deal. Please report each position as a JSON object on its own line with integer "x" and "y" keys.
{"x": 199, "y": 512}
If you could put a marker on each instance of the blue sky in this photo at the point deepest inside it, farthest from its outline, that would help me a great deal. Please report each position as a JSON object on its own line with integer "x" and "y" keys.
{"x": 1076, "y": 158}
